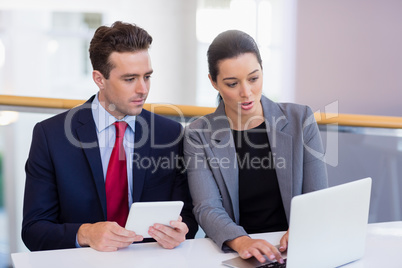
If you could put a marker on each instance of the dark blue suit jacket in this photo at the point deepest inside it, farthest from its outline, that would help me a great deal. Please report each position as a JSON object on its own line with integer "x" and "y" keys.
{"x": 65, "y": 183}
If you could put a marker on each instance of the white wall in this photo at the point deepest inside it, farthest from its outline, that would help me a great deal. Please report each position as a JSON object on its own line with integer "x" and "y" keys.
{"x": 350, "y": 51}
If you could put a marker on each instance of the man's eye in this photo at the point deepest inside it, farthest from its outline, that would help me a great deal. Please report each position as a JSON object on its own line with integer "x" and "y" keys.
{"x": 129, "y": 79}
{"x": 147, "y": 77}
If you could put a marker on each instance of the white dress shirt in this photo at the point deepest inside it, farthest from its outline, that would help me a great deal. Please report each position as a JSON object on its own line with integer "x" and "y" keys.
{"x": 106, "y": 132}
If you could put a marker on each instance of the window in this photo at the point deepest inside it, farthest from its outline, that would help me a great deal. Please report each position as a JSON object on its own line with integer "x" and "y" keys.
{"x": 67, "y": 50}
{"x": 262, "y": 19}
{"x": 45, "y": 53}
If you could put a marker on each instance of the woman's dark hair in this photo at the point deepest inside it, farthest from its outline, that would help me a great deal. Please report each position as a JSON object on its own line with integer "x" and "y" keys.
{"x": 120, "y": 37}
{"x": 227, "y": 45}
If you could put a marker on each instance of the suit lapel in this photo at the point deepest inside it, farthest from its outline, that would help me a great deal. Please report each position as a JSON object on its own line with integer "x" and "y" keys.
{"x": 281, "y": 147}
{"x": 142, "y": 149}
{"x": 86, "y": 133}
{"x": 222, "y": 146}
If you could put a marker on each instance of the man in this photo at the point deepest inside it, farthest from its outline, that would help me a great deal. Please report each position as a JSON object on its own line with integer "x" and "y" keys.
{"x": 88, "y": 165}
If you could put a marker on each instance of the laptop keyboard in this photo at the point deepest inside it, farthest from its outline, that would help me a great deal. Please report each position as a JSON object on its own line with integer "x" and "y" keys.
{"x": 273, "y": 265}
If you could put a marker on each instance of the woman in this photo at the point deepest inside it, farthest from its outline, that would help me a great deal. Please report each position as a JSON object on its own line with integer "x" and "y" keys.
{"x": 251, "y": 156}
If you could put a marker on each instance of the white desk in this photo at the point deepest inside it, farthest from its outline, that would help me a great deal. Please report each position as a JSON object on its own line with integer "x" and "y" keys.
{"x": 384, "y": 249}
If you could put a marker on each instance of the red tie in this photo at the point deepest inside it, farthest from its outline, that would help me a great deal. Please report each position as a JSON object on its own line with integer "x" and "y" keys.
{"x": 116, "y": 180}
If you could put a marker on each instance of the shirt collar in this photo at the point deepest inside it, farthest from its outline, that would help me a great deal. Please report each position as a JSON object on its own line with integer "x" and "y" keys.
{"x": 103, "y": 119}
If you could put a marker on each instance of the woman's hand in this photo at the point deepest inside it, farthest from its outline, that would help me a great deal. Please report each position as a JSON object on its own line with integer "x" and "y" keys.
{"x": 283, "y": 244}
{"x": 248, "y": 247}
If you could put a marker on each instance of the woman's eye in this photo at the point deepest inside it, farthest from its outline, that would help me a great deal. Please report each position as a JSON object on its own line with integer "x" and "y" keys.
{"x": 253, "y": 79}
{"x": 232, "y": 84}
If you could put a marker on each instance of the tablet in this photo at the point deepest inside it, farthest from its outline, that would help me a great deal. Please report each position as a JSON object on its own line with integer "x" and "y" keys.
{"x": 142, "y": 215}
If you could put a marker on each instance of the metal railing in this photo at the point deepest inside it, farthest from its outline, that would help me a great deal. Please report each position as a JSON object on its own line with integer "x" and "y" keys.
{"x": 351, "y": 120}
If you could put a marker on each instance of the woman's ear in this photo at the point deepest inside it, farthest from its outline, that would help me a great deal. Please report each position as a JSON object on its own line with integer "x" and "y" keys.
{"x": 99, "y": 79}
{"x": 213, "y": 83}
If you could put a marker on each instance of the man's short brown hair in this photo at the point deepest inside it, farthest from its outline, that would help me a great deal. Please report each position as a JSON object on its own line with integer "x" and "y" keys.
{"x": 120, "y": 37}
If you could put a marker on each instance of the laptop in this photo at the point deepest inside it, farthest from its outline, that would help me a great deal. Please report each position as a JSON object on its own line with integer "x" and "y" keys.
{"x": 327, "y": 228}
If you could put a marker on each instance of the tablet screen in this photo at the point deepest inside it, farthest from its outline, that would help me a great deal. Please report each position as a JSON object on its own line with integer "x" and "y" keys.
{"x": 145, "y": 214}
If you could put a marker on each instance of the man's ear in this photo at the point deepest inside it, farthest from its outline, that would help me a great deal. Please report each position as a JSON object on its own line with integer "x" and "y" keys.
{"x": 213, "y": 83}
{"x": 99, "y": 79}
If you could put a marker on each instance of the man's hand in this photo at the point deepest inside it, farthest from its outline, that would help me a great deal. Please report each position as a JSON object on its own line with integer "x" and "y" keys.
{"x": 106, "y": 236}
{"x": 248, "y": 247}
{"x": 169, "y": 237}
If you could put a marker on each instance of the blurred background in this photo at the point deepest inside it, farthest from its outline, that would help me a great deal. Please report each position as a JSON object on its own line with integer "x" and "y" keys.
{"x": 342, "y": 54}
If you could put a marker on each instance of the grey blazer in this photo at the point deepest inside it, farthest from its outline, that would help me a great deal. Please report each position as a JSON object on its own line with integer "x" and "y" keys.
{"x": 212, "y": 165}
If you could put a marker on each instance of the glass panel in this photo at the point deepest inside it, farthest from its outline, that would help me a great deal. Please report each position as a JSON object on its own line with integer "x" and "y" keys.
{"x": 368, "y": 152}
{"x": 15, "y": 140}
{"x": 4, "y": 249}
